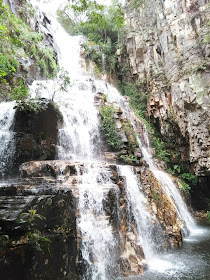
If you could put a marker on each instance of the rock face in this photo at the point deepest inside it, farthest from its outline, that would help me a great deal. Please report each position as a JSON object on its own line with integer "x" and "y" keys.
{"x": 29, "y": 63}
{"x": 168, "y": 44}
{"x": 51, "y": 188}
{"x": 57, "y": 205}
{"x": 129, "y": 151}
{"x": 36, "y": 133}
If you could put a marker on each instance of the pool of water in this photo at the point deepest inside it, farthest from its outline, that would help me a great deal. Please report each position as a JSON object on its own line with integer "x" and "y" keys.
{"x": 189, "y": 262}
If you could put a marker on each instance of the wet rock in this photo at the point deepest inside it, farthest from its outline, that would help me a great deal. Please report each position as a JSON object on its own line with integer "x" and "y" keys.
{"x": 36, "y": 133}
{"x": 171, "y": 53}
{"x": 51, "y": 188}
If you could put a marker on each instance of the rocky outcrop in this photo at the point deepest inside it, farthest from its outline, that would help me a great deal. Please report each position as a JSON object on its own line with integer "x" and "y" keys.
{"x": 51, "y": 188}
{"x": 36, "y": 132}
{"x": 33, "y": 54}
{"x": 58, "y": 257}
{"x": 168, "y": 43}
{"x": 128, "y": 150}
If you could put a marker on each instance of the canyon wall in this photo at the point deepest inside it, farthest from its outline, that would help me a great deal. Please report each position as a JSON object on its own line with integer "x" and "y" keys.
{"x": 168, "y": 44}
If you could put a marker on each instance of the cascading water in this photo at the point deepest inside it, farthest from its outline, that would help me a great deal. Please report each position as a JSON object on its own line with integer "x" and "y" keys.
{"x": 6, "y": 137}
{"x": 188, "y": 224}
{"x": 77, "y": 141}
{"x": 97, "y": 243}
{"x": 144, "y": 221}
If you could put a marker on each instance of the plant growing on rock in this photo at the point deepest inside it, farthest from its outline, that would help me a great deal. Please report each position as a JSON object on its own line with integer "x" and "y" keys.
{"x": 20, "y": 47}
{"x": 130, "y": 134}
{"x": 109, "y": 128}
{"x": 129, "y": 159}
{"x": 29, "y": 236}
{"x": 138, "y": 96}
{"x": 59, "y": 83}
{"x": 100, "y": 24}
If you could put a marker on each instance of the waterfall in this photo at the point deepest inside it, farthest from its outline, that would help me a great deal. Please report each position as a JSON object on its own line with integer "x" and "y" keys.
{"x": 168, "y": 186}
{"x": 97, "y": 243}
{"x": 79, "y": 140}
{"x": 6, "y": 137}
{"x": 144, "y": 220}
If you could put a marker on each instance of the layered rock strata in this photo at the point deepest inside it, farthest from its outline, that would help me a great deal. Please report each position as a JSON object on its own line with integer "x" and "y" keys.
{"x": 36, "y": 133}
{"x": 51, "y": 188}
{"x": 168, "y": 43}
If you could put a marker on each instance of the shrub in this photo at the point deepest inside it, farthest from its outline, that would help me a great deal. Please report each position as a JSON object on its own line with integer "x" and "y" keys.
{"x": 130, "y": 159}
{"x": 190, "y": 178}
{"x": 17, "y": 41}
{"x": 20, "y": 92}
{"x": 185, "y": 187}
{"x": 8, "y": 66}
{"x": 43, "y": 67}
{"x": 108, "y": 127}
{"x": 138, "y": 96}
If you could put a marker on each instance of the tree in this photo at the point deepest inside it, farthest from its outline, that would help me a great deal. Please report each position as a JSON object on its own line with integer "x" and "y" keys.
{"x": 60, "y": 83}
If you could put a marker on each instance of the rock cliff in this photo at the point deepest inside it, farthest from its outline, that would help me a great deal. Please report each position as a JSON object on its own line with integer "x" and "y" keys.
{"x": 168, "y": 44}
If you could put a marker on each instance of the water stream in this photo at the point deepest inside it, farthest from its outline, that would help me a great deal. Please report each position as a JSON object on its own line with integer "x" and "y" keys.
{"x": 138, "y": 204}
{"x": 98, "y": 242}
{"x": 7, "y": 148}
{"x": 79, "y": 140}
{"x": 190, "y": 262}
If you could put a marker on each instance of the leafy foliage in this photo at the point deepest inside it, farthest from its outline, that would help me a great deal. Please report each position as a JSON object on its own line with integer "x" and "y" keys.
{"x": 18, "y": 43}
{"x": 60, "y": 83}
{"x": 29, "y": 105}
{"x": 108, "y": 128}
{"x": 191, "y": 178}
{"x": 31, "y": 239}
{"x": 129, "y": 159}
{"x": 20, "y": 92}
{"x": 130, "y": 134}
{"x": 8, "y": 66}
{"x": 134, "y": 4}
{"x": 28, "y": 219}
{"x": 185, "y": 187}
{"x": 138, "y": 95}
{"x": 100, "y": 24}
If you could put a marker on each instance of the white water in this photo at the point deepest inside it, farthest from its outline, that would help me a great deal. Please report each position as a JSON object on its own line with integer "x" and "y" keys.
{"x": 97, "y": 242}
{"x": 77, "y": 141}
{"x": 186, "y": 221}
{"x": 144, "y": 221}
{"x": 6, "y": 136}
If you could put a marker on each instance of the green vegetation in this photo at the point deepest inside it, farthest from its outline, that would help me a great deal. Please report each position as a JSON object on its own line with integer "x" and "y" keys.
{"x": 156, "y": 142}
{"x": 60, "y": 83}
{"x": 155, "y": 195}
{"x": 20, "y": 92}
{"x": 19, "y": 43}
{"x": 134, "y": 4}
{"x": 130, "y": 134}
{"x": 29, "y": 237}
{"x": 189, "y": 177}
{"x": 108, "y": 127}
{"x": 185, "y": 187}
{"x": 29, "y": 105}
{"x": 129, "y": 159}
{"x": 138, "y": 95}
{"x": 208, "y": 216}
{"x": 101, "y": 25}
